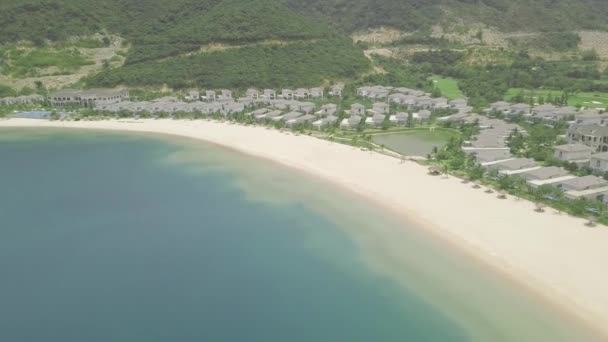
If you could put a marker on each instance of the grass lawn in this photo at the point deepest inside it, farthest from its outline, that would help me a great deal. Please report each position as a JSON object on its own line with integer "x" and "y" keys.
{"x": 24, "y": 62}
{"x": 584, "y": 99}
{"x": 448, "y": 86}
{"x": 414, "y": 142}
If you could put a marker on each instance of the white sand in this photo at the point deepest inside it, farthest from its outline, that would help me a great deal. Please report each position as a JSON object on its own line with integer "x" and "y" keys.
{"x": 556, "y": 255}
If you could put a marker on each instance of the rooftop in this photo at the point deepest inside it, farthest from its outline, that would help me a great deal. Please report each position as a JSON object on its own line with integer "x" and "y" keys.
{"x": 584, "y": 182}
{"x": 573, "y": 148}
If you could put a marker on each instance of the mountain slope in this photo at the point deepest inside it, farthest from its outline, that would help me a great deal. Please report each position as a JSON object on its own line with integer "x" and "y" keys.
{"x": 412, "y": 15}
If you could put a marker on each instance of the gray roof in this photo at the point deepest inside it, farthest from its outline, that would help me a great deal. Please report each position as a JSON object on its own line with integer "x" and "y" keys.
{"x": 573, "y": 148}
{"x": 593, "y": 130}
{"x": 546, "y": 173}
{"x": 483, "y": 156}
{"x": 355, "y": 119}
{"x": 517, "y": 164}
{"x": 585, "y": 182}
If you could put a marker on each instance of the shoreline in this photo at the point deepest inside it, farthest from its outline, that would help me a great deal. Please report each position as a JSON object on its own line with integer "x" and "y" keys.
{"x": 554, "y": 256}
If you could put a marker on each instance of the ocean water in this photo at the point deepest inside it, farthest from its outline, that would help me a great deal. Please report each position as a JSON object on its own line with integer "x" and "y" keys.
{"x": 110, "y": 237}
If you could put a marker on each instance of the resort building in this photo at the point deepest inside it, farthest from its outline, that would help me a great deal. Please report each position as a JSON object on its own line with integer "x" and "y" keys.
{"x": 87, "y": 98}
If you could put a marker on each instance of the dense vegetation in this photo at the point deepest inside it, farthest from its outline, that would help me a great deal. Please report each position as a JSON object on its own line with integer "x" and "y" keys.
{"x": 300, "y": 63}
{"x": 26, "y": 62}
{"x": 485, "y": 83}
{"x": 37, "y": 20}
{"x": 509, "y": 15}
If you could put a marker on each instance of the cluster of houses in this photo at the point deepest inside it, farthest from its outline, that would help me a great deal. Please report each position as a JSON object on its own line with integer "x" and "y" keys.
{"x": 20, "y": 100}
{"x": 403, "y": 100}
{"x": 588, "y": 146}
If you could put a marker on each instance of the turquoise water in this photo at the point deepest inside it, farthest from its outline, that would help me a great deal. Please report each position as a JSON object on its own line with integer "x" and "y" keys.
{"x": 107, "y": 237}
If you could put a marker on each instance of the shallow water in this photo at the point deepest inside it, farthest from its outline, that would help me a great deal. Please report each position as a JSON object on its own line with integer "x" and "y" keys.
{"x": 109, "y": 237}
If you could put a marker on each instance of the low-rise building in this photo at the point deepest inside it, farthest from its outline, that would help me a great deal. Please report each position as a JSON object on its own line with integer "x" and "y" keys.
{"x": 514, "y": 164}
{"x": 351, "y": 123}
{"x": 325, "y": 122}
{"x": 380, "y": 108}
{"x": 328, "y": 109}
{"x": 90, "y": 98}
{"x": 357, "y": 109}
{"x": 543, "y": 173}
{"x": 573, "y": 152}
{"x": 594, "y": 136}
{"x": 375, "y": 121}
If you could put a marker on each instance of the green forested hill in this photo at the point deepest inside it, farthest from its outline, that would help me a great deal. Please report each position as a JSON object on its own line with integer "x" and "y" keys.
{"x": 167, "y": 38}
{"x": 202, "y": 20}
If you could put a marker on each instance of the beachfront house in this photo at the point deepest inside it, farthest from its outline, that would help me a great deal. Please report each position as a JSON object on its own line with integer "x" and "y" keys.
{"x": 577, "y": 153}
{"x": 375, "y": 121}
{"x": 90, "y": 98}
{"x": 258, "y": 112}
{"x": 351, "y": 122}
{"x": 514, "y": 165}
{"x": 336, "y": 90}
{"x": 289, "y": 116}
{"x": 325, "y": 122}
{"x": 226, "y": 94}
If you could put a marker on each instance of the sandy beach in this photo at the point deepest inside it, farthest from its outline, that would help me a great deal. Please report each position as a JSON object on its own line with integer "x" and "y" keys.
{"x": 553, "y": 254}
